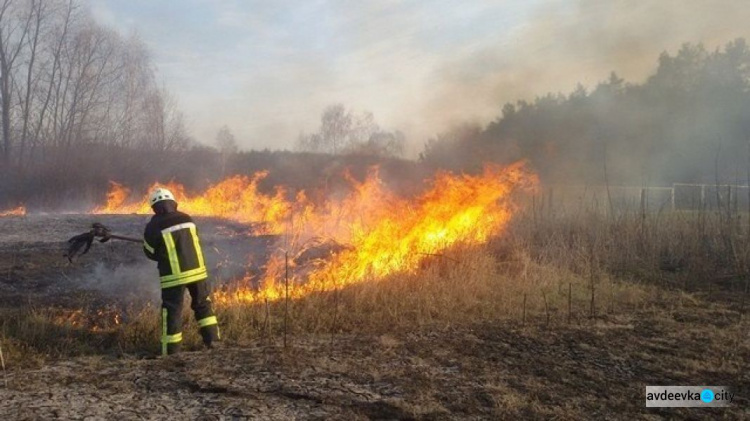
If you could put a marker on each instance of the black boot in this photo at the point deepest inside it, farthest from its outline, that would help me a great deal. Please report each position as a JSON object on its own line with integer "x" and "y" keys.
{"x": 210, "y": 335}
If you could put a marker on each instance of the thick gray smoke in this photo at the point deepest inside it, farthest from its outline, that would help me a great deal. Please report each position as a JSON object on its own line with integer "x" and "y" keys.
{"x": 569, "y": 42}
{"x": 673, "y": 112}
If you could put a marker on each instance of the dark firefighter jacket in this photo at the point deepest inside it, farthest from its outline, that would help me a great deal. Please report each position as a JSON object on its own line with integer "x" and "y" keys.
{"x": 171, "y": 239}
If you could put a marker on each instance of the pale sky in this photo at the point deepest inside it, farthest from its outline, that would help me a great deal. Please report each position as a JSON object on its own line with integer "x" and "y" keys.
{"x": 267, "y": 69}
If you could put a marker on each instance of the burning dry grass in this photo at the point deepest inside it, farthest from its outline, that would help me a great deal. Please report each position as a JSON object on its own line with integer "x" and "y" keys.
{"x": 237, "y": 198}
{"x": 380, "y": 233}
{"x": 18, "y": 211}
{"x": 465, "y": 285}
{"x": 541, "y": 267}
{"x": 524, "y": 323}
{"x": 36, "y": 334}
{"x": 389, "y": 243}
{"x": 559, "y": 269}
{"x": 552, "y": 271}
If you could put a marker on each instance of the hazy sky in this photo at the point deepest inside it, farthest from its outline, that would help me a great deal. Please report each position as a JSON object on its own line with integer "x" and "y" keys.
{"x": 267, "y": 69}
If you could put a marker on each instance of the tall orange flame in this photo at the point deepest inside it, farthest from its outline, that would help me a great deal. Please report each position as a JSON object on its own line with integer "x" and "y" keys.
{"x": 384, "y": 234}
{"x": 235, "y": 198}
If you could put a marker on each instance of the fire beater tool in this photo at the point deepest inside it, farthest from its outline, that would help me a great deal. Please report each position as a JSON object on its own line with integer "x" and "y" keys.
{"x": 84, "y": 241}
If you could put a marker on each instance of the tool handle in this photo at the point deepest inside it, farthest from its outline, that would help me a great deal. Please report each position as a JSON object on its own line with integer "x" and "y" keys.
{"x": 124, "y": 238}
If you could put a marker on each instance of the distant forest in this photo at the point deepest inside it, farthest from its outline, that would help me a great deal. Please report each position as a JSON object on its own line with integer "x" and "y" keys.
{"x": 688, "y": 122}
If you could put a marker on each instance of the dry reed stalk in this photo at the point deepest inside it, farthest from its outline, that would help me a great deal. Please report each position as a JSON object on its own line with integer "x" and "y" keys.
{"x": 334, "y": 325}
{"x": 744, "y": 297}
{"x": 570, "y": 306}
{"x": 2, "y": 360}
{"x": 267, "y": 321}
{"x": 286, "y": 294}
{"x": 593, "y": 290}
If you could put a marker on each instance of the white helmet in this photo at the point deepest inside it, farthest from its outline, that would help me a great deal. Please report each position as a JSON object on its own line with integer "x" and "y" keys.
{"x": 160, "y": 194}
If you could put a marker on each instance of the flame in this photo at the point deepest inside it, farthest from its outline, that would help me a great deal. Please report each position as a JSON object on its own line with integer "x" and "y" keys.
{"x": 387, "y": 234}
{"x": 383, "y": 234}
{"x": 19, "y": 211}
{"x": 236, "y": 198}
{"x": 101, "y": 320}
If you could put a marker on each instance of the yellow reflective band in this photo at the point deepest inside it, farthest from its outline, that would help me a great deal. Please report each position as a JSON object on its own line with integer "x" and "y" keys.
{"x": 173, "y": 339}
{"x": 163, "y": 331}
{"x": 197, "y": 244}
{"x": 174, "y": 262}
{"x": 148, "y": 247}
{"x": 178, "y": 227}
{"x": 186, "y": 274}
{"x": 184, "y": 281}
{"x": 208, "y": 321}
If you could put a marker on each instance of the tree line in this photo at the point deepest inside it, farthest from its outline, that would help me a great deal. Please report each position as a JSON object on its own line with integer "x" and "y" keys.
{"x": 68, "y": 83}
{"x": 689, "y": 121}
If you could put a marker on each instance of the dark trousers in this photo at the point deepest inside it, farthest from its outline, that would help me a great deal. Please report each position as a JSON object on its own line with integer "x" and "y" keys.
{"x": 171, "y": 315}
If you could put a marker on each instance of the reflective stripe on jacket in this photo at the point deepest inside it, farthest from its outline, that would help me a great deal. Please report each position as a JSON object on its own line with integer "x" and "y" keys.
{"x": 171, "y": 239}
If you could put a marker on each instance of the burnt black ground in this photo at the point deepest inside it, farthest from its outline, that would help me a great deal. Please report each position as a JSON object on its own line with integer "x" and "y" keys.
{"x": 34, "y": 271}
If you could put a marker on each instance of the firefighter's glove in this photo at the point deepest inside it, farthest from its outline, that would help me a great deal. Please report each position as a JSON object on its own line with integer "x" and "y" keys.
{"x": 101, "y": 232}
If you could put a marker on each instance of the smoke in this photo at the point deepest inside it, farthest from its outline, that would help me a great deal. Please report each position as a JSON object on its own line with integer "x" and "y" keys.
{"x": 124, "y": 282}
{"x": 419, "y": 67}
{"x": 565, "y": 43}
{"x": 121, "y": 273}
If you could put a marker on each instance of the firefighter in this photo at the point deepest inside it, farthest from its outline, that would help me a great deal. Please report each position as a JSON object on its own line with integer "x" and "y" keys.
{"x": 171, "y": 239}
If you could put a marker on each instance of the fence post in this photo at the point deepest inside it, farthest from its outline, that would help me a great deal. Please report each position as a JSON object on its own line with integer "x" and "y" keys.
{"x": 570, "y": 306}
{"x": 729, "y": 201}
{"x": 672, "y": 197}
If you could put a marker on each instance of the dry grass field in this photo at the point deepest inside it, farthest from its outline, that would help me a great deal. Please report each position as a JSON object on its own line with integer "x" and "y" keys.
{"x": 564, "y": 316}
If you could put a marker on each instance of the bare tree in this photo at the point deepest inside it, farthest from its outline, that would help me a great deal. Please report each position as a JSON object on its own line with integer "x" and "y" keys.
{"x": 49, "y": 73}
{"x": 227, "y": 146}
{"x": 343, "y": 131}
{"x": 164, "y": 126}
{"x": 38, "y": 14}
{"x": 69, "y": 83}
{"x": 14, "y": 27}
{"x": 335, "y": 126}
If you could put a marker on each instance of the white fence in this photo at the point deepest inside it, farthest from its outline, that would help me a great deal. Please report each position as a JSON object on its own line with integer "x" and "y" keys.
{"x": 680, "y": 196}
